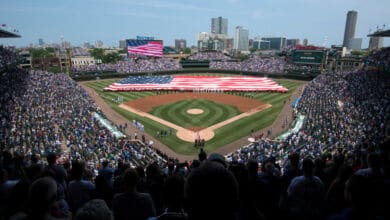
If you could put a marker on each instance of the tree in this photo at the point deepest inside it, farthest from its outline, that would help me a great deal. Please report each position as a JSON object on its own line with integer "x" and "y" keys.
{"x": 242, "y": 56}
{"x": 361, "y": 53}
{"x": 97, "y": 53}
{"x": 111, "y": 58}
{"x": 187, "y": 50}
{"x": 41, "y": 52}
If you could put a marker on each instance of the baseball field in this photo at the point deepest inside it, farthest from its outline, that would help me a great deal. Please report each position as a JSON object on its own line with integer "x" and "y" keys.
{"x": 219, "y": 118}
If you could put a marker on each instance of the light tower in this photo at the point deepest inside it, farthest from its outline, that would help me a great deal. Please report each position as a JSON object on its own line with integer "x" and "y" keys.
{"x": 67, "y": 55}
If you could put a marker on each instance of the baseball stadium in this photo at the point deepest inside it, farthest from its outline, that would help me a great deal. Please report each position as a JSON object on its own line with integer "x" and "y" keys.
{"x": 302, "y": 133}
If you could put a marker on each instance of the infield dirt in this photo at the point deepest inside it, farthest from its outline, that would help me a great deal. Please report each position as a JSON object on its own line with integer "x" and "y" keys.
{"x": 246, "y": 105}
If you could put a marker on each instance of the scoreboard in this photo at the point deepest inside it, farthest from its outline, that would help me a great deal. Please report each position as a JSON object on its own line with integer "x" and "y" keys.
{"x": 309, "y": 56}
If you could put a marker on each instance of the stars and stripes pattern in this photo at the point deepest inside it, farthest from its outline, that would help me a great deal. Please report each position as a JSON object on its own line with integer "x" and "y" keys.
{"x": 145, "y": 48}
{"x": 197, "y": 83}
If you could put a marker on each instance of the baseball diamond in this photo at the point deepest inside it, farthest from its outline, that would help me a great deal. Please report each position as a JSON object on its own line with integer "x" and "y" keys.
{"x": 231, "y": 105}
{"x": 248, "y": 107}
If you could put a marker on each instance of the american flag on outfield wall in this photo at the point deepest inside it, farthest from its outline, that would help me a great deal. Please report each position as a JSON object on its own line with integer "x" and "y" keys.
{"x": 196, "y": 83}
{"x": 145, "y": 48}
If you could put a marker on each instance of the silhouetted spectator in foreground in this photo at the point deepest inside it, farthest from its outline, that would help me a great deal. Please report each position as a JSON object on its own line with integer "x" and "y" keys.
{"x": 306, "y": 194}
{"x": 359, "y": 192}
{"x": 211, "y": 192}
{"x": 95, "y": 209}
{"x": 107, "y": 172}
{"x": 102, "y": 190}
{"x": 41, "y": 199}
{"x": 335, "y": 195}
{"x": 173, "y": 197}
{"x": 132, "y": 204}
{"x": 59, "y": 170}
{"x": 80, "y": 191}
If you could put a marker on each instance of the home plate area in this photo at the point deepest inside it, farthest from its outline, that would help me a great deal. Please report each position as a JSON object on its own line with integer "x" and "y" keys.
{"x": 247, "y": 106}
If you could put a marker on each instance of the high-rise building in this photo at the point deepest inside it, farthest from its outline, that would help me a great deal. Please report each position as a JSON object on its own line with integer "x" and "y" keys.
{"x": 210, "y": 41}
{"x": 292, "y": 42}
{"x": 99, "y": 44}
{"x": 87, "y": 45}
{"x": 375, "y": 42}
{"x": 259, "y": 44}
{"x": 355, "y": 44}
{"x": 305, "y": 42}
{"x": 350, "y": 27}
{"x": 219, "y": 25}
{"x": 241, "y": 39}
{"x": 65, "y": 44}
{"x": 122, "y": 44}
{"x": 40, "y": 42}
{"x": 180, "y": 44}
{"x": 276, "y": 43}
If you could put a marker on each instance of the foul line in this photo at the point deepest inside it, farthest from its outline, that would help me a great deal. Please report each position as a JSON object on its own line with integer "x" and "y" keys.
{"x": 189, "y": 135}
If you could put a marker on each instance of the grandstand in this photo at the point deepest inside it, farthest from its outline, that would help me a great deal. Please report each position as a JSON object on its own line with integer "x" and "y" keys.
{"x": 7, "y": 34}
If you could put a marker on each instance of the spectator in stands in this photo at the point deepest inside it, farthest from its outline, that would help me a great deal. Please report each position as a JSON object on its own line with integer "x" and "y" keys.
{"x": 209, "y": 55}
{"x": 360, "y": 193}
{"x": 59, "y": 170}
{"x": 212, "y": 192}
{"x": 95, "y": 209}
{"x": 374, "y": 166}
{"x": 107, "y": 173}
{"x": 154, "y": 185}
{"x": 42, "y": 198}
{"x": 131, "y": 204}
{"x": 102, "y": 190}
{"x": 269, "y": 190}
{"x": 80, "y": 191}
{"x": 335, "y": 195}
{"x": 306, "y": 194}
{"x": 173, "y": 195}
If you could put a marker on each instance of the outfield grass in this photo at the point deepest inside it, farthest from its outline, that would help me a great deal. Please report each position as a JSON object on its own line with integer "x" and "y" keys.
{"x": 223, "y": 136}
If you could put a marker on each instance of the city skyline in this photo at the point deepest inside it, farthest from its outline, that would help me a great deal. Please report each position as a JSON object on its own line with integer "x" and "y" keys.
{"x": 110, "y": 21}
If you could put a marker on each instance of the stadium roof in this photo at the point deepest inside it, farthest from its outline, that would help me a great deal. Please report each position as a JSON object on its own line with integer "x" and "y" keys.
{"x": 7, "y": 34}
{"x": 385, "y": 33}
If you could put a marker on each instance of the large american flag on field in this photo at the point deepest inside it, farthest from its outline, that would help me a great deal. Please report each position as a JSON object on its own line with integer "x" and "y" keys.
{"x": 145, "y": 48}
{"x": 196, "y": 83}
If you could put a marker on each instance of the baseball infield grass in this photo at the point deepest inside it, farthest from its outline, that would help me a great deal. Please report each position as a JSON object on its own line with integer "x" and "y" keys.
{"x": 213, "y": 113}
{"x": 174, "y": 113}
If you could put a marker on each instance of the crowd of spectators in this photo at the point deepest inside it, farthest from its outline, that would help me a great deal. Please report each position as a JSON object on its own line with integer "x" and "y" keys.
{"x": 131, "y": 66}
{"x": 209, "y": 55}
{"x": 7, "y": 57}
{"x": 79, "y": 51}
{"x": 58, "y": 162}
{"x": 380, "y": 58}
{"x": 254, "y": 63}
{"x": 345, "y": 110}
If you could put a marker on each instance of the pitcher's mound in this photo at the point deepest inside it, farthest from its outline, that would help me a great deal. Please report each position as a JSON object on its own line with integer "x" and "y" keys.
{"x": 195, "y": 111}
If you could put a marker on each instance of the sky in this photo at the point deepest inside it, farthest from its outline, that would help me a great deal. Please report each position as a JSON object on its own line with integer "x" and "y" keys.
{"x": 321, "y": 22}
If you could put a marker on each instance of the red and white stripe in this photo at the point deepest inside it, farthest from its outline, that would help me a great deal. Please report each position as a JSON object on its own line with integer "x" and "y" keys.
{"x": 206, "y": 83}
{"x": 154, "y": 49}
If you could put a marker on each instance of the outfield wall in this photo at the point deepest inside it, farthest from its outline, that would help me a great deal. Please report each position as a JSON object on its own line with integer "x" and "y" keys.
{"x": 106, "y": 75}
